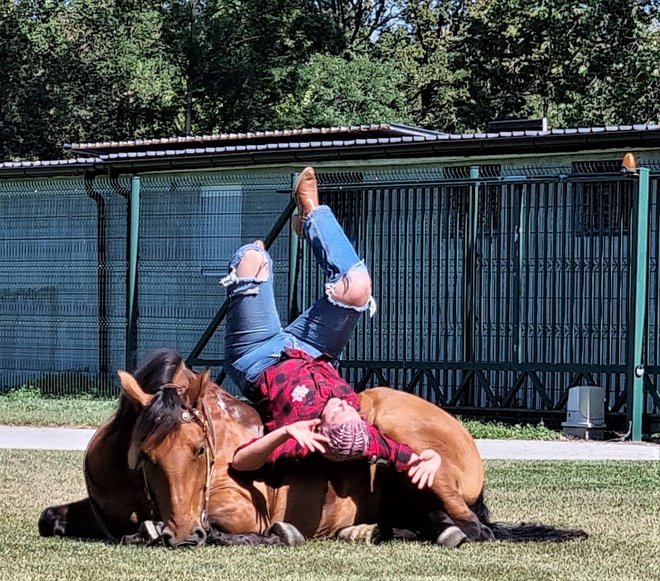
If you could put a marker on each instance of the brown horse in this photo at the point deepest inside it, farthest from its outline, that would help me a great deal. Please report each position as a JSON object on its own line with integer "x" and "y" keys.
{"x": 166, "y": 455}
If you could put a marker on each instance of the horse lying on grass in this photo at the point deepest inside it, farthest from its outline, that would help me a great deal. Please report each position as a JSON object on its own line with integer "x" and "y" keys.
{"x": 165, "y": 455}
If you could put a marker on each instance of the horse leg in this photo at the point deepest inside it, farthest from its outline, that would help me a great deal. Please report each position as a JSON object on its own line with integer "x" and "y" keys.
{"x": 375, "y": 534}
{"x": 463, "y": 517}
{"x": 278, "y": 534}
{"x": 75, "y": 519}
{"x": 443, "y": 530}
{"x": 456, "y": 510}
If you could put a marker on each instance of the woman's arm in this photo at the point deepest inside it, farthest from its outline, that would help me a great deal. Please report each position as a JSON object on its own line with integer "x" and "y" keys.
{"x": 421, "y": 468}
{"x": 255, "y": 454}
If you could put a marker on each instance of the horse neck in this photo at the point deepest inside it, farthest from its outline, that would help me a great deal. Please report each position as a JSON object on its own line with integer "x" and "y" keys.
{"x": 123, "y": 420}
{"x": 234, "y": 422}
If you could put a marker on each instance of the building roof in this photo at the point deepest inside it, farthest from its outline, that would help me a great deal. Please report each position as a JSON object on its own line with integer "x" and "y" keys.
{"x": 289, "y": 136}
{"x": 319, "y": 144}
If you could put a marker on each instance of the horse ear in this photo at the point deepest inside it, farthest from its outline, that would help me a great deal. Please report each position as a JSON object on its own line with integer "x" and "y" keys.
{"x": 198, "y": 387}
{"x": 133, "y": 391}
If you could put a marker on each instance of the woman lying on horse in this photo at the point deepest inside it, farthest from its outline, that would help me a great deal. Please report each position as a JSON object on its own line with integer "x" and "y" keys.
{"x": 175, "y": 450}
{"x": 287, "y": 373}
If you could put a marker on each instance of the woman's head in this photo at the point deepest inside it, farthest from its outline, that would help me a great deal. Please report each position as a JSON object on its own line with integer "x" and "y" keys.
{"x": 338, "y": 411}
{"x": 347, "y": 432}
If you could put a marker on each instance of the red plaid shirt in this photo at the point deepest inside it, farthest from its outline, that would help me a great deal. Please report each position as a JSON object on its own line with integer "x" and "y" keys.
{"x": 298, "y": 388}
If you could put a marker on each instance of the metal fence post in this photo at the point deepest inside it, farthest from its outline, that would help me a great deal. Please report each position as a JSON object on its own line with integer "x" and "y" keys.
{"x": 638, "y": 306}
{"x": 294, "y": 246}
{"x": 470, "y": 280}
{"x": 131, "y": 303}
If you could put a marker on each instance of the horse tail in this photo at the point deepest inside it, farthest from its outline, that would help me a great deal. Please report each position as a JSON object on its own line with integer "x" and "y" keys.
{"x": 523, "y": 532}
{"x": 526, "y": 532}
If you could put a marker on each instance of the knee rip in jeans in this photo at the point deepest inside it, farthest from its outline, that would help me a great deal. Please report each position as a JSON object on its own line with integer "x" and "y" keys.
{"x": 250, "y": 271}
{"x": 352, "y": 290}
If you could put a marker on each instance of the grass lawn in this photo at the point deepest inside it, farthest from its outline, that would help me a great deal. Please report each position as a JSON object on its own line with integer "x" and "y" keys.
{"x": 617, "y": 503}
{"x": 71, "y": 412}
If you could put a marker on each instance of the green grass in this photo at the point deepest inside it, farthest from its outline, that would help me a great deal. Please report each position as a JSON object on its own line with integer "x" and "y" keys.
{"x": 500, "y": 431}
{"x": 26, "y": 407}
{"x": 617, "y": 503}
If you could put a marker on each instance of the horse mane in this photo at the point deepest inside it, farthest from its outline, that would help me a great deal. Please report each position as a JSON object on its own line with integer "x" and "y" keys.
{"x": 157, "y": 369}
{"x": 160, "y": 418}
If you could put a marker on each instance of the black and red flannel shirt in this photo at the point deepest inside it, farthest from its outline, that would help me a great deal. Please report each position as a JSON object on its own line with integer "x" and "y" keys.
{"x": 298, "y": 388}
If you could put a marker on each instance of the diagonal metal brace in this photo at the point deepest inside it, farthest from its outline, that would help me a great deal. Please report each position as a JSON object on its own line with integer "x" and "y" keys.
{"x": 193, "y": 358}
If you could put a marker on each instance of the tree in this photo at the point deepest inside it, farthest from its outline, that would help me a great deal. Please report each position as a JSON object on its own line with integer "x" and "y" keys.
{"x": 336, "y": 91}
{"x": 587, "y": 63}
{"x": 87, "y": 70}
{"x": 426, "y": 47}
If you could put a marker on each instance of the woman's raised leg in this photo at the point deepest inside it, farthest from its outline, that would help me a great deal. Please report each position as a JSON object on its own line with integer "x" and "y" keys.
{"x": 252, "y": 320}
{"x": 328, "y": 324}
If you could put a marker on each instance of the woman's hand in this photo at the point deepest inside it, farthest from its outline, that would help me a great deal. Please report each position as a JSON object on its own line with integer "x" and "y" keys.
{"x": 422, "y": 468}
{"x": 304, "y": 432}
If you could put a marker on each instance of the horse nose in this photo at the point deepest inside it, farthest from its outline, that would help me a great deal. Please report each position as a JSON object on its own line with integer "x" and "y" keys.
{"x": 169, "y": 539}
{"x": 196, "y": 539}
{"x": 200, "y": 535}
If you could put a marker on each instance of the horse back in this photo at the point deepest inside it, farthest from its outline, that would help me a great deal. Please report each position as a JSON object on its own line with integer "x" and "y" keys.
{"x": 420, "y": 424}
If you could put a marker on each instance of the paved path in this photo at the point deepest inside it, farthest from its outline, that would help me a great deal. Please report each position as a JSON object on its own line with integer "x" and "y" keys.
{"x": 76, "y": 439}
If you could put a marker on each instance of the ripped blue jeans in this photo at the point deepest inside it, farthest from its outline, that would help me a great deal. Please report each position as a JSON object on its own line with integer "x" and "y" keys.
{"x": 254, "y": 336}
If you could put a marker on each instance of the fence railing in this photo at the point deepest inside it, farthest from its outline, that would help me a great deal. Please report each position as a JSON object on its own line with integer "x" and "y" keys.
{"x": 498, "y": 288}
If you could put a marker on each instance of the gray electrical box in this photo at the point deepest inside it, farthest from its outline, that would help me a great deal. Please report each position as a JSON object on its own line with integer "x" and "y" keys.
{"x": 585, "y": 412}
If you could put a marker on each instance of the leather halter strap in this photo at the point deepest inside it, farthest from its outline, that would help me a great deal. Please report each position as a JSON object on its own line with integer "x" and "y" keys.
{"x": 204, "y": 420}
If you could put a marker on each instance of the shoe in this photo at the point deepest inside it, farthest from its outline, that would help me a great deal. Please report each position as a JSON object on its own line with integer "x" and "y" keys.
{"x": 305, "y": 192}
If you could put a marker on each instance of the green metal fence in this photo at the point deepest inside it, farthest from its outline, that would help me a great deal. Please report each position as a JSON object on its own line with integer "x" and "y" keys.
{"x": 498, "y": 288}
{"x": 62, "y": 273}
{"x": 497, "y": 294}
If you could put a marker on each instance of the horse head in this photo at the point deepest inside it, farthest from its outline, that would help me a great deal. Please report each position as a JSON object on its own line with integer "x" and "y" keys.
{"x": 172, "y": 444}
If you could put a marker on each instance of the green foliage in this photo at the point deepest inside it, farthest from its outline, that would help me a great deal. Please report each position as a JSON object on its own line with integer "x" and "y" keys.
{"x": 586, "y": 63}
{"x": 89, "y": 70}
{"x": 26, "y": 406}
{"x": 26, "y": 393}
{"x": 333, "y": 90}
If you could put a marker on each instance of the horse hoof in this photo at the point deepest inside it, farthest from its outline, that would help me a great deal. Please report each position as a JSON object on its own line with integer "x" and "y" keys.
{"x": 451, "y": 538}
{"x": 290, "y": 535}
{"x": 363, "y": 532}
{"x": 149, "y": 533}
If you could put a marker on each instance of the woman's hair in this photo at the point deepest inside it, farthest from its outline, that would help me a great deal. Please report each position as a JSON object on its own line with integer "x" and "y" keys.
{"x": 346, "y": 441}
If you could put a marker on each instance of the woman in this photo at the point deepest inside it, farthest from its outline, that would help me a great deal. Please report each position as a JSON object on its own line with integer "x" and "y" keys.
{"x": 286, "y": 372}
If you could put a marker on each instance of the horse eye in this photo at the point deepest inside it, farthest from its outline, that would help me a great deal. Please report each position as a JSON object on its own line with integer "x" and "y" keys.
{"x": 200, "y": 451}
{"x": 147, "y": 457}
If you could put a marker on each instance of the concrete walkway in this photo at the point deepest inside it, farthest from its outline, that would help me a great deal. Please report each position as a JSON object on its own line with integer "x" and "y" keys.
{"x": 76, "y": 439}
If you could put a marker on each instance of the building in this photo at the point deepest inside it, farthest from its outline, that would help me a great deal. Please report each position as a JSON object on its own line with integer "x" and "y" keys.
{"x": 508, "y": 266}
